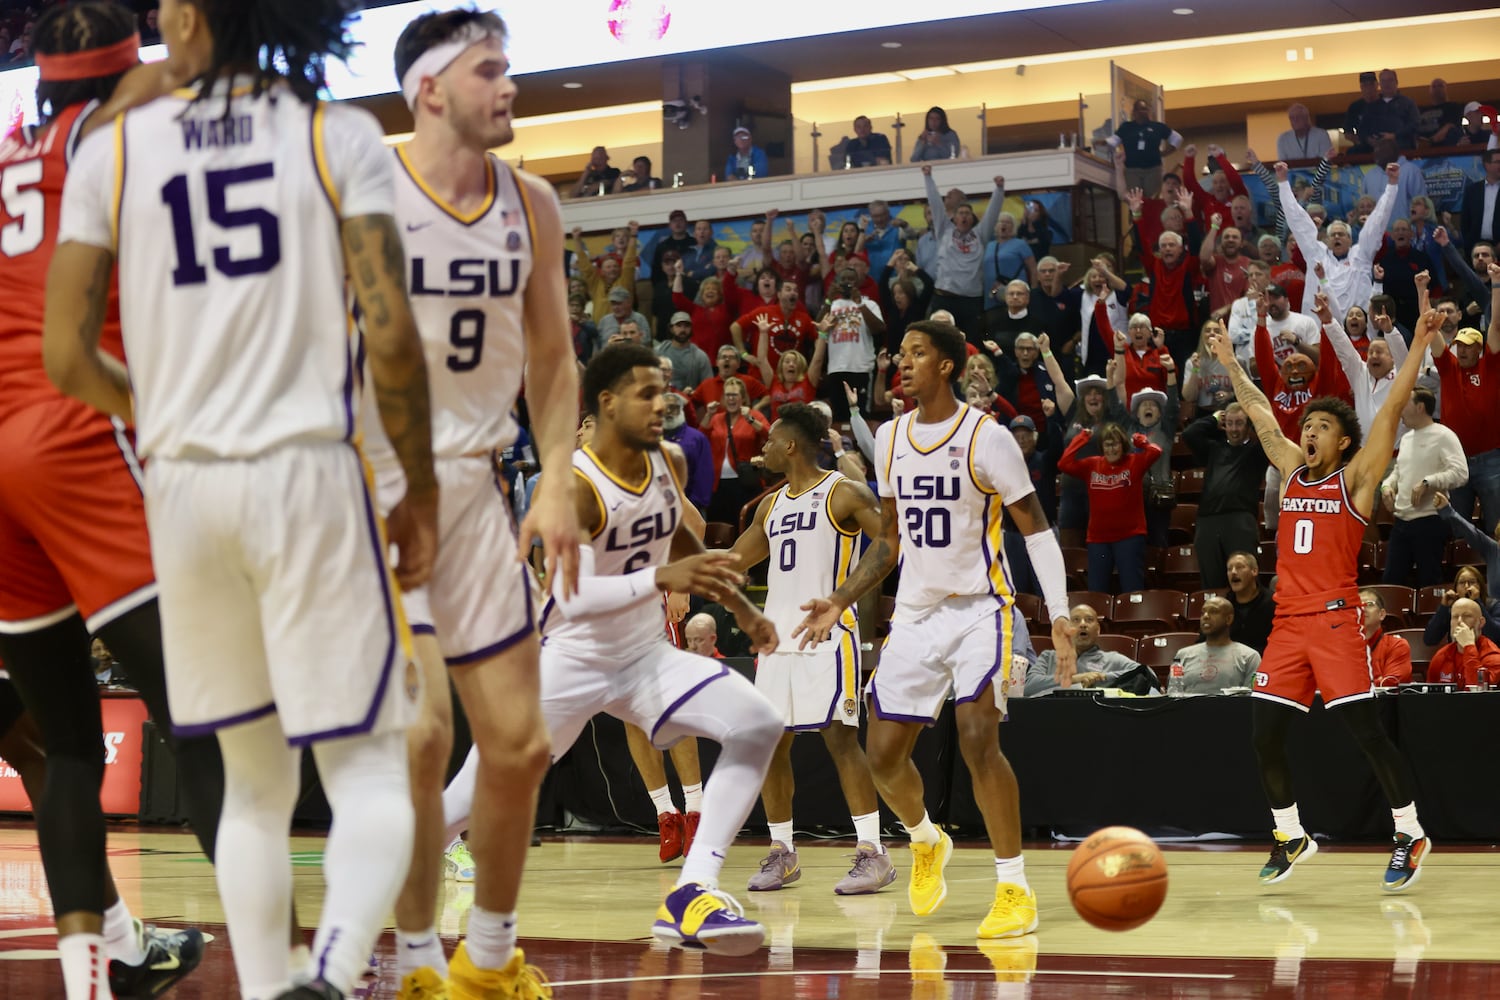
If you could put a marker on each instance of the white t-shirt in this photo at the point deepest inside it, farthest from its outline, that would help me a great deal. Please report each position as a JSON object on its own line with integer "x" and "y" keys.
{"x": 851, "y": 345}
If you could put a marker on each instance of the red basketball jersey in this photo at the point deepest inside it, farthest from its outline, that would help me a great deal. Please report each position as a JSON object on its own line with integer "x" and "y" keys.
{"x": 33, "y": 167}
{"x": 1317, "y": 546}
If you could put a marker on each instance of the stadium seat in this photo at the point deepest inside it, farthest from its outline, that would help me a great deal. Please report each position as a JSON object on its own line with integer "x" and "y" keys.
{"x": 1031, "y": 608}
{"x": 1101, "y": 602}
{"x": 1158, "y": 651}
{"x": 1142, "y": 612}
{"x": 1189, "y": 484}
{"x": 1041, "y": 643}
{"x": 1184, "y": 523}
{"x": 1460, "y": 553}
{"x": 1076, "y": 565}
{"x": 1429, "y": 599}
{"x": 1179, "y": 567}
{"x": 1421, "y": 653}
{"x": 1182, "y": 455}
{"x": 1400, "y": 604}
{"x": 1194, "y": 613}
{"x": 1125, "y": 644}
{"x": 1265, "y": 556}
{"x": 718, "y": 535}
{"x": 1371, "y": 562}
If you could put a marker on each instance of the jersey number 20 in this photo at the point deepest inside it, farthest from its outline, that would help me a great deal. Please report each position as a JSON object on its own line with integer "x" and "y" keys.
{"x": 929, "y": 527}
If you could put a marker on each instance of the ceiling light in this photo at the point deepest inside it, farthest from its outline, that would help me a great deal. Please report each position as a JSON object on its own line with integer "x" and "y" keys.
{"x": 890, "y": 45}
{"x": 571, "y": 85}
{"x": 1184, "y": 11}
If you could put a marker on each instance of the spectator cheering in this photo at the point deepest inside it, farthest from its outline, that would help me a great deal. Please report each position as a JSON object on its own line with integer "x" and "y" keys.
{"x": 1117, "y": 505}
{"x": 1234, "y": 468}
{"x": 1429, "y": 459}
{"x": 959, "y": 275}
{"x": 1142, "y": 140}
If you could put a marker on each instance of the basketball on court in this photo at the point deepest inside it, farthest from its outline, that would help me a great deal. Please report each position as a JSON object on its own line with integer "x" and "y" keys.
{"x": 1117, "y": 878}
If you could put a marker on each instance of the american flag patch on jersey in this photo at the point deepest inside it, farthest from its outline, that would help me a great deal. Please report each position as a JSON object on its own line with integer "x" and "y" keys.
{"x": 955, "y": 450}
{"x": 664, "y": 480}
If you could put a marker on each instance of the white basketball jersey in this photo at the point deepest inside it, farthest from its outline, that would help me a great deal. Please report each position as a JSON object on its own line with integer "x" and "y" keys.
{"x": 637, "y": 522}
{"x": 467, "y": 277}
{"x": 226, "y": 224}
{"x": 810, "y": 556}
{"x": 951, "y": 483}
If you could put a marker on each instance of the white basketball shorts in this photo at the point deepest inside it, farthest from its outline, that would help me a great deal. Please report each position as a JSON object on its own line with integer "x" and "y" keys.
{"x": 813, "y": 690}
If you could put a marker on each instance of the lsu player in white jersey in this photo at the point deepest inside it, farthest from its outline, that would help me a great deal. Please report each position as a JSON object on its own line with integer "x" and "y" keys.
{"x": 235, "y": 208}
{"x": 946, "y": 472}
{"x": 809, "y": 529}
{"x": 483, "y": 243}
{"x": 605, "y": 647}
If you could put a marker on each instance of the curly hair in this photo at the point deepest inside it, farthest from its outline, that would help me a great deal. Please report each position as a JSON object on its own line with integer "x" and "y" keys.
{"x": 1344, "y": 414}
{"x": 276, "y": 41}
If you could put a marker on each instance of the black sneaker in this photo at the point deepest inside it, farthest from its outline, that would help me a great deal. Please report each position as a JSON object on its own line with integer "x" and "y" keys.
{"x": 1285, "y": 853}
{"x": 170, "y": 955}
{"x": 315, "y": 990}
{"x": 1406, "y": 860}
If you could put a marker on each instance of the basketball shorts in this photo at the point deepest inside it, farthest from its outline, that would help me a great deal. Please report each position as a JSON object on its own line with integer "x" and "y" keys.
{"x": 812, "y": 690}
{"x": 961, "y": 647}
{"x": 276, "y": 595}
{"x": 72, "y": 520}
{"x": 479, "y": 600}
{"x": 1323, "y": 652}
{"x": 642, "y": 688}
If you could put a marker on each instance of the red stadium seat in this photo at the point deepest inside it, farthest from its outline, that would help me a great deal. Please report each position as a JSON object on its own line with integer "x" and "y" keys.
{"x": 1158, "y": 651}
{"x": 1421, "y": 653}
{"x": 1460, "y": 553}
{"x": 1400, "y": 604}
{"x": 1194, "y": 613}
{"x": 1179, "y": 567}
{"x": 1189, "y": 484}
{"x": 1076, "y": 564}
{"x": 1184, "y": 523}
{"x": 1031, "y": 608}
{"x": 718, "y": 535}
{"x": 1429, "y": 599}
{"x": 1041, "y": 642}
{"x": 1265, "y": 557}
{"x": 1124, "y": 644}
{"x": 1143, "y": 612}
{"x": 1101, "y": 602}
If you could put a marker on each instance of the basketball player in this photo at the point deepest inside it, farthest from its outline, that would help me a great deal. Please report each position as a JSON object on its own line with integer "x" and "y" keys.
{"x": 73, "y": 529}
{"x": 605, "y": 650}
{"x": 490, "y": 304}
{"x": 235, "y": 208}
{"x": 1316, "y": 644}
{"x": 809, "y": 529}
{"x": 945, "y": 473}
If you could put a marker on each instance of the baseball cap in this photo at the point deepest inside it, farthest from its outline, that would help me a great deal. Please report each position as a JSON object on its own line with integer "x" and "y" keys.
{"x": 1274, "y": 289}
{"x": 1469, "y": 335}
{"x": 675, "y": 213}
{"x": 619, "y": 295}
{"x": 680, "y": 317}
{"x": 740, "y": 130}
{"x": 1023, "y": 423}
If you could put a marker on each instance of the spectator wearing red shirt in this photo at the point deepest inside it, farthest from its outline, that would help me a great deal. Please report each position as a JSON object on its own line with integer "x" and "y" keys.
{"x": 1225, "y": 268}
{"x": 1224, "y": 183}
{"x": 1138, "y": 352}
{"x": 1117, "y": 504}
{"x": 736, "y": 434}
{"x": 791, "y": 326}
{"x": 792, "y": 380}
{"x": 1390, "y": 655}
{"x": 1460, "y": 661}
{"x": 711, "y": 313}
{"x": 1469, "y": 374}
{"x": 783, "y": 260}
{"x": 1174, "y": 275}
{"x": 711, "y": 390}
{"x": 701, "y": 634}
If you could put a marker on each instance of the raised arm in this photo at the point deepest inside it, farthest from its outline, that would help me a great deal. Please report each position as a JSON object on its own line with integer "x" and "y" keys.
{"x": 986, "y": 227}
{"x": 1368, "y": 464}
{"x": 940, "y": 220}
{"x": 1284, "y": 454}
{"x": 1492, "y": 340}
{"x": 1372, "y": 234}
{"x": 1343, "y": 347}
{"x": 1298, "y": 222}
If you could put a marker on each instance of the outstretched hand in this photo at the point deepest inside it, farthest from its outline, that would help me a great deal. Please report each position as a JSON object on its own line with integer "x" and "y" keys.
{"x": 822, "y": 616}
{"x": 1063, "y": 634}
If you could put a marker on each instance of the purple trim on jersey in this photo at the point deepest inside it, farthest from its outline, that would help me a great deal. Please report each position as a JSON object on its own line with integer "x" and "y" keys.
{"x": 682, "y": 700}
{"x": 1000, "y": 657}
{"x": 393, "y": 646}
{"x": 208, "y": 728}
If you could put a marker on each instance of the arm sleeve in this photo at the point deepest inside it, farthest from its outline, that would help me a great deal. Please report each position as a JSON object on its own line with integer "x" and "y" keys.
{"x": 1200, "y": 435}
{"x": 1068, "y": 462}
{"x": 600, "y": 595}
{"x": 1236, "y": 182}
{"x": 881, "y": 458}
{"x": 359, "y": 162}
{"x": 940, "y": 221}
{"x": 88, "y": 197}
{"x": 863, "y": 436}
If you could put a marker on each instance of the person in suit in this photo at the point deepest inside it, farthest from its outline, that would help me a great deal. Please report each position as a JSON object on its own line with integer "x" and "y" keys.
{"x": 1480, "y": 219}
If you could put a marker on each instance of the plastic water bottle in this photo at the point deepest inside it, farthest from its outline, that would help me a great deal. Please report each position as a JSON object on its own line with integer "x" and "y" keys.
{"x": 1482, "y": 682}
{"x": 1176, "y": 682}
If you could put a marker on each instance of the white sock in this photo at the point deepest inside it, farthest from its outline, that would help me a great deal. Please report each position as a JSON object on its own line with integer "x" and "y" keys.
{"x": 85, "y": 965}
{"x": 1406, "y": 821}
{"x": 491, "y": 938}
{"x": 1288, "y": 821}
{"x": 1012, "y": 870}
{"x": 661, "y": 798}
{"x": 867, "y": 828}
{"x": 122, "y": 935}
{"x": 299, "y": 963}
{"x": 418, "y": 949}
{"x": 924, "y": 832}
{"x": 692, "y": 798}
{"x": 782, "y": 832}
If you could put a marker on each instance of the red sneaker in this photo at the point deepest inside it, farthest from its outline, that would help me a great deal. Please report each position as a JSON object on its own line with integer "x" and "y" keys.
{"x": 690, "y": 830}
{"x": 670, "y": 826}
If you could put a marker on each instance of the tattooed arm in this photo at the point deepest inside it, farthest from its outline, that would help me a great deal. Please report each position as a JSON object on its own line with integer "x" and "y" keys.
{"x": 1284, "y": 454}
{"x": 376, "y": 263}
{"x": 77, "y": 295}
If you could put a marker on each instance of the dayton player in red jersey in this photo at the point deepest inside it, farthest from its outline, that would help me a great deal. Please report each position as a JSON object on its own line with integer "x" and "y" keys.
{"x": 1316, "y": 642}
{"x": 73, "y": 543}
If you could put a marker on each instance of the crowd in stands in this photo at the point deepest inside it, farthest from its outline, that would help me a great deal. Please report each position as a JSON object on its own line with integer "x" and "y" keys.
{"x": 1142, "y": 458}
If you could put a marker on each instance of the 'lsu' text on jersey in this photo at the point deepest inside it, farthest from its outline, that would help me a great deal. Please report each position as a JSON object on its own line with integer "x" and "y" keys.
{"x": 636, "y": 525}
{"x": 467, "y": 277}
{"x": 810, "y": 555}
{"x": 1320, "y": 532}
{"x": 245, "y": 210}
{"x": 951, "y": 482}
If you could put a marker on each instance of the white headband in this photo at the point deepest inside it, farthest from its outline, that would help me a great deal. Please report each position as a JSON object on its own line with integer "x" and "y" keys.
{"x": 440, "y": 57}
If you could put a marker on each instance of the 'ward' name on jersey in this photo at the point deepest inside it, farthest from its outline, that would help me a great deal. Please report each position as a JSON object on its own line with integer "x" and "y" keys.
{"x": 217, "y": 133}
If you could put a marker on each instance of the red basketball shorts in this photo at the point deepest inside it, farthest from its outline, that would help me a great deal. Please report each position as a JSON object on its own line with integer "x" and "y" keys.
{"x": 1323, "y": 652}
{"x": 72, "y": 520}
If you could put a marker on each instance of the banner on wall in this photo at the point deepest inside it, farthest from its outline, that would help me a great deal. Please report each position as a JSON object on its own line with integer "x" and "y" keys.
{"x": 121, "y": 794}
{"x": 1445, "y": 177}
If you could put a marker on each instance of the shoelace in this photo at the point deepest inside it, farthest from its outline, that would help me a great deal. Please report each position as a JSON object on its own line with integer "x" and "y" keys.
{"x": 730, "y": 903}
{"x": 1278, "y": 853}
{"x": 860, "y": 861}
{"x": 922, "y": 865}
{"x": 771, "y": 862}
{"x": 1399, "y": 857}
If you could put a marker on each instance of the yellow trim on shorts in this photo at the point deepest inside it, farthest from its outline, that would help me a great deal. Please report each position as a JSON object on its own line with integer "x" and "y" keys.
{"x": 843, "y": 563}
{"x": 850, "y": 672}
{"x": 320, "y": 158}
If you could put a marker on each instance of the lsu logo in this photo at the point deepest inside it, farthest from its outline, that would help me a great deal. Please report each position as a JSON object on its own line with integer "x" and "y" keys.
{"x": 849, "y": 707}
{"x": 1262, "y": 679}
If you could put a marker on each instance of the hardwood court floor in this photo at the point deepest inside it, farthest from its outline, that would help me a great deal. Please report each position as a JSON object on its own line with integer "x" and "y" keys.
{"x": 1328, "y": 932}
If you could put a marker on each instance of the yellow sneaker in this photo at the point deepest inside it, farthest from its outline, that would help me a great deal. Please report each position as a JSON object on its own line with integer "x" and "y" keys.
{"x": 424, "y": 984}
{"x": 1014, "y": 960}
{"x": 927, "y": 890}
{"x": 1013, "y": 914}
{"x": 517, "y": 981}
{"x": 927, "y": 961}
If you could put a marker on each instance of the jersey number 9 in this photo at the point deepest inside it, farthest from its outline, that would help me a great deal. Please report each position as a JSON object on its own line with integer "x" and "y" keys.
{"x": 466, "y": 334}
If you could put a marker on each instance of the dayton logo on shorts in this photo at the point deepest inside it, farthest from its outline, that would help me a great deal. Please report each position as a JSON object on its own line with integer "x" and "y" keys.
{"x": 1262, "y": 679}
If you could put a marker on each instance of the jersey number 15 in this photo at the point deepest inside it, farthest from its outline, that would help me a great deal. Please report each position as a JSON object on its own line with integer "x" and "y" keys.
{"x": 219, "y": 183}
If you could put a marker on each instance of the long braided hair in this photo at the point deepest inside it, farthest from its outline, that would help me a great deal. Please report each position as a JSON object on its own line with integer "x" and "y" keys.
{"x": 78, "y": 27}
{"x": 277, "y": 41}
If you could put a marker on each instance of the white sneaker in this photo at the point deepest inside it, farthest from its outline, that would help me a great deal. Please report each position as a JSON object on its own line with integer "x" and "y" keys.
{"x": 458, "y": 863}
